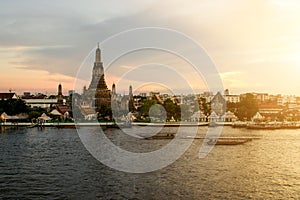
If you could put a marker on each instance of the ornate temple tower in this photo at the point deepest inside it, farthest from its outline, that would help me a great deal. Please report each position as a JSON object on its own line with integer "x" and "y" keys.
{"x": 114, "y": 101}
{"x": 60, "y": 100}
{"x": 113, "y": 90}
{"x": 98, "y": 95}
{"x": 130, "y": 102}
{"x": 98, "y": 72}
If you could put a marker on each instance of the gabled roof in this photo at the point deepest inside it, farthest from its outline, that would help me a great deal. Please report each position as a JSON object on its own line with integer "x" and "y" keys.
{"x": 213, "y": 115}
{"x": 63, "y": 108}
{"x": 229, "y": 115}
{"x": 8, "y": 95}
{"x": 218, "y": 98}
{"x": 257, "y": 116}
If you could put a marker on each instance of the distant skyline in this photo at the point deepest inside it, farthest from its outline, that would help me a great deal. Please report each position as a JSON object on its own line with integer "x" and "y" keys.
{"x": 254, "y": 44}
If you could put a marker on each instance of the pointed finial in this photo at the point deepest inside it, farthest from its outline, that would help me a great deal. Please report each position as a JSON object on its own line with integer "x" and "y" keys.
{"x": 98, "y": 45}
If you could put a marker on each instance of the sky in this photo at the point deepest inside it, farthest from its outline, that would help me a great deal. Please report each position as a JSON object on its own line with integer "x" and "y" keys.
{"x": 254, "y": 45}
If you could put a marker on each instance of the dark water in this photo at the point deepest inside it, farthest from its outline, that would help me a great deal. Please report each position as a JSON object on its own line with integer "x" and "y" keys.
{"x": 53, "y": 164}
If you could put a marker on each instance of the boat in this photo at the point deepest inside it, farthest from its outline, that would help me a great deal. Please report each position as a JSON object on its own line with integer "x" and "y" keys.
{"x": 162, "y": 136}
{"x": 239, "y": 124}
{"x": 264, "y": 126}
{"x": 32, "y": 125}
{"x": 227, "y": 141}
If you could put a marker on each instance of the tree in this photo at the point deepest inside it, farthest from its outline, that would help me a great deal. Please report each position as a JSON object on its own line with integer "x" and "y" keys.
{"x": 104, "y": 111}
{"x": 157, "y": 112}
{"x": 247, "y": 107}
{"x": 13, "y": 106}
{"x": 172, "y": 109}
{"x": 36, "y": 112}
{"x": 233, "y": 107}
{"x": 145, "y": 108}
{"x": 204, "y": 106}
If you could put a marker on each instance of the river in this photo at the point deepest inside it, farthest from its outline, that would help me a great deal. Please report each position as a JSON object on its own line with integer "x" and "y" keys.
{"x": 53, "y": 164}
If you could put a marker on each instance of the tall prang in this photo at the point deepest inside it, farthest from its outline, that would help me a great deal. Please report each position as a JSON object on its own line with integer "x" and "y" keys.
{"x": 98, "y": 73}
{"x": 59, "y": 95}
{"x": 130, "y": 100}
{"x": 98, "y": 95}
{"x": 113, "y": 90}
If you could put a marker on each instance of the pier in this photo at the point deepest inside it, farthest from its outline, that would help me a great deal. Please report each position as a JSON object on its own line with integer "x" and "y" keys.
{"x": 247, "y": 125}
{"x": 267, "y": 125}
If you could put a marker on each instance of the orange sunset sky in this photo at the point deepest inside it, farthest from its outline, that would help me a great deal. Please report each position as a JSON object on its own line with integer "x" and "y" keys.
{"x": 255, "y": 44}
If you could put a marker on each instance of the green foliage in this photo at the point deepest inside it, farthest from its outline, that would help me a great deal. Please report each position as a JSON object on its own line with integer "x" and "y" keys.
{"x": 204, "y": 106}
{"x": 144, "y": 109}
{"x": 172, "y": 109}
{"x": 156, "y": 111}
{"x": 233, "y": 107}
{"x": 13, "y": 106}
{"x": 104, "y": 111}
{"x": 36, "y": 112}
{"x": 247, "y": 107}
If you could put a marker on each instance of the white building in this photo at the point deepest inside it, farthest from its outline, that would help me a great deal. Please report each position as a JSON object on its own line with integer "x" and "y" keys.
{"x": 41, "y": 103}
{"x": 283, "y": 100}
{"x": 232, "y": 98}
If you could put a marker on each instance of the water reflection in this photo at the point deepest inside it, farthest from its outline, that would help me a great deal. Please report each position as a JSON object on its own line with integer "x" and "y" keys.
{"x": 53, "y": 164}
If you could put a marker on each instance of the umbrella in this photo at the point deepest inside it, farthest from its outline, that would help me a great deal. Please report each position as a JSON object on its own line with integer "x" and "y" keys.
{"x": 44, "y": 117}
{"x": 55, "y": 112}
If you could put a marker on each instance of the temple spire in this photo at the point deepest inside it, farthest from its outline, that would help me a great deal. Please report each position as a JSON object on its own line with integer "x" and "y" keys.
{"x": 98, "y": 54}
{"x": 131, "y": 101}
{"x": 59, "y": 95}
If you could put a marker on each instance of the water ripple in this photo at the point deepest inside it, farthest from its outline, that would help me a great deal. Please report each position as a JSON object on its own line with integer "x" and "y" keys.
{"x": 53, "y": 164}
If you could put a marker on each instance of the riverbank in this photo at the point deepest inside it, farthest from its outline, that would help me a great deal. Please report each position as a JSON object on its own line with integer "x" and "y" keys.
{"x": 267, "y": 125}
{"x": 111, "y": 124}
{"x": 247, "y": 125}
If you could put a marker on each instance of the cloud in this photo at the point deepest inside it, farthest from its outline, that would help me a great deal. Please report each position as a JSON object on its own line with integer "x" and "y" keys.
{"x": 126, "y": 67}
{"x": 233, "y": 80}
{"x": 56, "y": 36}
{"x": 227, "y": 75}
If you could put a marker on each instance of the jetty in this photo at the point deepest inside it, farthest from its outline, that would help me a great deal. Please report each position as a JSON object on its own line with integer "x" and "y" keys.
{"x": 167, "y": 124}
{"x": 112, "y": 124}
{"x": 228, "y": 141}
{"x": 267, "y": 125}
{"x": 56, "y": 124}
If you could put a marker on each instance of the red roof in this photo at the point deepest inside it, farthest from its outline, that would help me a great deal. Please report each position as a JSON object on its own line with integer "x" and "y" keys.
{"x": 264, "y": 106}
{"x": 6, "y": 95}
{"x": 33, "y": 97}
{"x": 63, "y": 108}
